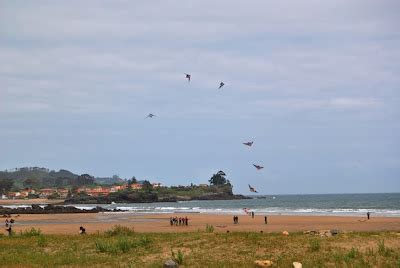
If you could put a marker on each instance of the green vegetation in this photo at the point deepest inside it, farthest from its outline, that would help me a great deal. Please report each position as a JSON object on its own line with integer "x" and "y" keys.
{"x": 36, "y": 177}
{"x": 177, "y": 257}
{"x": 121, "y": 247}
{"x": 315, "y": 245}
{"x": 209, "y": 228}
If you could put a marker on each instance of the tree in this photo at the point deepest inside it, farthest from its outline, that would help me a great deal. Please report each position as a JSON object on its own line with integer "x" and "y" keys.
{"x": 30, "y": 182}
{"x": 147, "y": 186}
{"x": 85, "y": 179}
{"x": 217, "y": 179}
{"x": 6, "y": 185}
{"x": 132, "y": 180}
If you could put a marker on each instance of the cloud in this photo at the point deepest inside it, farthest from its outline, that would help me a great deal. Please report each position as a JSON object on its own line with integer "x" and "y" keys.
{"x": 80, "y": 68}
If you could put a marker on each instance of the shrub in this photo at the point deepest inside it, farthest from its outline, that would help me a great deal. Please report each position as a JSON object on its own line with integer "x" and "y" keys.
{"x": 209, "y": 228}
{"x": 382, "y": 249}
{"x": 143, "y": 242}
{"x": 124, "y": 244}
{"x": 105, "y": 247}
{"x": 30, "y": 233}
{"x": 120, "y": 230}
{"x": 178, "y": 257}
{"x": 41, "y": 241}
{"x": 315, "y": 245}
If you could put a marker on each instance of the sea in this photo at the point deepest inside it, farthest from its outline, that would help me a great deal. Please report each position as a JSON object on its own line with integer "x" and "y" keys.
{"x": 384, "y": 205}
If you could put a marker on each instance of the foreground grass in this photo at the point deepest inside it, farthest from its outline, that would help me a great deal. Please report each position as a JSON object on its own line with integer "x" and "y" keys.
{"x": 122, "y": 247}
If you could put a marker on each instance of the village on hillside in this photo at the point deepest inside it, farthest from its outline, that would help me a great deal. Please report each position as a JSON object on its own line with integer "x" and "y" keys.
{"x": 62, "y": 193}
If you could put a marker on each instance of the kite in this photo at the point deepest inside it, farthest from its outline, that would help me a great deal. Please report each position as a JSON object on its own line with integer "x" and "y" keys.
{"x": 221, "y": 85}
{"x": 150, "y": 116}
{"x": 258, "y": 167}
{"x": 250, "y": 143}
{"x": 188, "y": 77}
{"x": 252, "y": 189}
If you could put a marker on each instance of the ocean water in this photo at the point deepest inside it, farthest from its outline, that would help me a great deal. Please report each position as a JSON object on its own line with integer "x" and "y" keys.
{"x": 319, "y": 204}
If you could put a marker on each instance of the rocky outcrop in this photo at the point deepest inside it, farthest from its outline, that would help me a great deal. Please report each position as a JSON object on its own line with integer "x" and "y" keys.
{"x": 49, "y": 209}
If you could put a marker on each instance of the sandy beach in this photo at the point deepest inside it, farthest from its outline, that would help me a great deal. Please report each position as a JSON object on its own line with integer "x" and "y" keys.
{"x": 69, "y": 223}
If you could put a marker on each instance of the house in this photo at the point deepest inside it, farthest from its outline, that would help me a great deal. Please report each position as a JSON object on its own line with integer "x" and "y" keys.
{"x": 117, "y": 188}
{"x": 156, "y": 184}
{"x": 46, "y": 192}
{"x": 63, "y": 193}
{"x": 136, "y": 186}
{"x": 98, "y": 191}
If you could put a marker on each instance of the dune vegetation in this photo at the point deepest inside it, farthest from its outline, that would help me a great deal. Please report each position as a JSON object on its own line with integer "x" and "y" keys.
{"x": 122, "y": 247}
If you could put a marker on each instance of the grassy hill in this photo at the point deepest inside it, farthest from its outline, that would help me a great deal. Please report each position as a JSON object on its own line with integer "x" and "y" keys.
{"x": 42, "y": 178}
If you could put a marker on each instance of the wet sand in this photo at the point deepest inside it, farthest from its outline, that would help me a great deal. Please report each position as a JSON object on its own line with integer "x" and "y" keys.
{"x": 69, "y": 223}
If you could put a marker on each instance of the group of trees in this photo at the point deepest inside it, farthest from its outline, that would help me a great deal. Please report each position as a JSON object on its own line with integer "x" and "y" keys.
{"x": 219, "y": 179}
{"x": 6, "y": 185}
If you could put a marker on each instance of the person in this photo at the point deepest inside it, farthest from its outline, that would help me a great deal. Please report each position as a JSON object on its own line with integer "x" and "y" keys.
{"x": 9, "y": 230}
{"x": 266, "y": 220}
{"x": 234, "y": 219}
{"x": 82, "y": 230}
{"x": 6, "y": 223}
{"x": 252, "y": 214}
{"x": 368, "y": 215}
{"x": 186, "y": 220}
{"x": 171, "y": 222}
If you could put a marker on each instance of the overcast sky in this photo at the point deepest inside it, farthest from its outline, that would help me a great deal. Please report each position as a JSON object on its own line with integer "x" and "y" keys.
{"x": 315, "y": 85}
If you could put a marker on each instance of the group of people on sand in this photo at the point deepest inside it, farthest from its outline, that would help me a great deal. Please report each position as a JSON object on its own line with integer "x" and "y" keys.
{"x": 178, "y": 221}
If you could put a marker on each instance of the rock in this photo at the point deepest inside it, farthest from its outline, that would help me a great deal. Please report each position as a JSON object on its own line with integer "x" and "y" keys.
{"x": 170, "y": 264}
{"x": 263, "y": 263}
{"x": 335, "y": 232}
{"x": 297, "y": 265}
{"x": 285, "y": 233}
{"x": 325, "y": 233}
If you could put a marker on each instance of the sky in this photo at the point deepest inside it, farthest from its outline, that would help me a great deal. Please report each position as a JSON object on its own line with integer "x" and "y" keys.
{"x": 315, "y": 85}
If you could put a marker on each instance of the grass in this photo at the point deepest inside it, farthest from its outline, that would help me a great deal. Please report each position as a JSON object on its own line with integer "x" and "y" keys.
{"x": 122, "y": 248}
{"x": 209, "y": 228}
{"x": 315, "y": 245}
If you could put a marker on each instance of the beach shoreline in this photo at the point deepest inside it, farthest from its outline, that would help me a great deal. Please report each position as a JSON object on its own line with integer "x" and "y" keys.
{"x": 159, "y": 223}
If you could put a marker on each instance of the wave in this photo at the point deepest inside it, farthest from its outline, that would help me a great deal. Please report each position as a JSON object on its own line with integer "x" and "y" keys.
{"x": 134, "y": 208}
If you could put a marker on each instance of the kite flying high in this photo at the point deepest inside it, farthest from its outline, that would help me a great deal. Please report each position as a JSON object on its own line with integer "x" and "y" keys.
{"x": 221, "y": 85}
{"x": 250, "y": 143}
{"x": 258, "y": 167}
{"x": 150, "y": 116}
{"x": 188, "y": 77}
{"x": 252, "y": 189}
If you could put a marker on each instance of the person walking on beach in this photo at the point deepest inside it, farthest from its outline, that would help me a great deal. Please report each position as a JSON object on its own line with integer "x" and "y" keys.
{"x": 6, "y": 223}
{"x": 368, "y": 215}
{"x": 186, "y": 221}
{"x": 252, "y": 214}
{"x": 266, "y": 220}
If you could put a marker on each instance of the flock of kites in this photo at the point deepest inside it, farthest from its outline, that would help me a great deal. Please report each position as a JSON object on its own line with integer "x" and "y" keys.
{"x": 250, "y": 143}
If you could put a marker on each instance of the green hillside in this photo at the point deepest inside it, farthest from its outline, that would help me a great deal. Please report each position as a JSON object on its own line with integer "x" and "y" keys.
{"x": 36, "y": 177}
